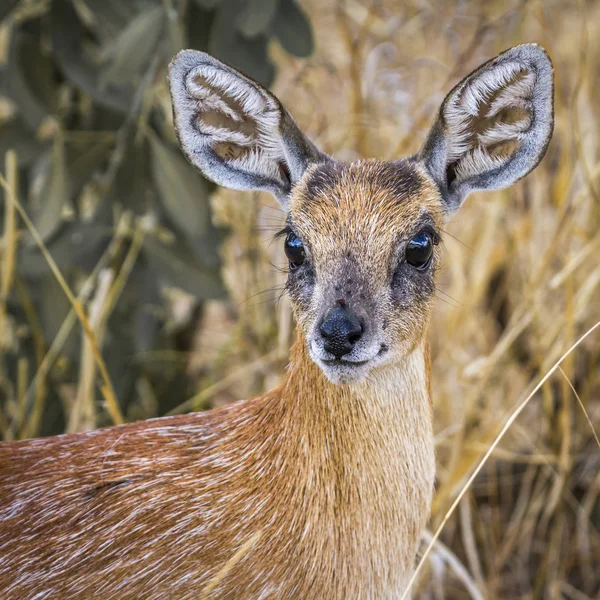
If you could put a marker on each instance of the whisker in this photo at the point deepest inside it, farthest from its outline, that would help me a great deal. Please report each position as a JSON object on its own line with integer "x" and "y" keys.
{"x": 446, "y": 301}
{"x": 272, "y": 289}
{"x": 281, "y": 295}
{"x": 439, "y": 289}
{"x": 455, "y": 238}
{"x": 285, "y": 270}
{"x": 271, "y": 207}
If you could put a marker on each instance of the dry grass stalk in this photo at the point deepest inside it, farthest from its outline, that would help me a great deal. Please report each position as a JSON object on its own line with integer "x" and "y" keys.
{"x": 242, "y": 551}
{"x": 9, "y": 239}
{"x": 520, "y": 284}
{"x": 45, "y": 363}
{"x": 107, "y": 389}
{"x": 520, "y": 408}
{"x": 82, "y": 416}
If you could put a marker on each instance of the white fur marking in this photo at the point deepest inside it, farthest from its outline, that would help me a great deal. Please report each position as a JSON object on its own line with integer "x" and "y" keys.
{"x": 512, "y": 84}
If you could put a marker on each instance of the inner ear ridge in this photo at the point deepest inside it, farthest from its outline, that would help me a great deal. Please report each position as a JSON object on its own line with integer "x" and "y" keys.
{"x": 218, "y": 134}
{"x": 477, "y": 161}
{"x": 517, "y": 93}
{"x": 217, "y": 120}
{"x": 242, "y": 103}
{"x": 514, "y": 94}
{"x": 247, "y": 159}
{"x": 228, "y": 151}
{"x": 503, "y": 148}
{"x": 237, "y": 96}
{"x": 507, "y": 86}
{"x": 254, "y": 159}
{"x": 478, "y": 91}
{"x": 208, "y": 97}
{"x": 503, "y": 131}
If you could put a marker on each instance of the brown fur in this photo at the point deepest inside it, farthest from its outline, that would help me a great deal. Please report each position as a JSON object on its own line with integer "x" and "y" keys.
{"x": 317, "y": 489}
{"x": 336, "y": 481}
{"x": 356, "y": 218}
{"x": 326, "y": 487}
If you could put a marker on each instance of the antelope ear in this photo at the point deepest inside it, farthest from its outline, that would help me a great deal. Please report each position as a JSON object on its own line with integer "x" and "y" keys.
{"x": 494, "y": 127}
{"x": 235, "y": 131}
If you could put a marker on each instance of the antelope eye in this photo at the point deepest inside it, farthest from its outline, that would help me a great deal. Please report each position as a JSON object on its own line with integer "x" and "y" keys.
{"x": 294, "y": 250}
{"x": 420, "y": 250}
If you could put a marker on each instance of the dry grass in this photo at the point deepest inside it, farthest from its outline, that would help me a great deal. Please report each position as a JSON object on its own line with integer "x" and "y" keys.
{"x": 521, "y": 284}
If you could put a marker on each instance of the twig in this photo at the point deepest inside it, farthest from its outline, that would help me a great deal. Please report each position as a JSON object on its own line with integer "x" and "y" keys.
{"x": 9, "y": 240}
{"x": 585, "y": 412}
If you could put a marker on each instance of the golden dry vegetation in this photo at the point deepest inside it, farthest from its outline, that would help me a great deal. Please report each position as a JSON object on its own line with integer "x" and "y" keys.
{"x": 520, "y": 284}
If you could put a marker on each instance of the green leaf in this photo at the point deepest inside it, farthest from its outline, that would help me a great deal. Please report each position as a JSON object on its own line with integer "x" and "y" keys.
{"x": 74, "y": 244}
{"x": 53, "y": 306}
{"x": 177, "y": 33}
{"x": 84, "y": 158}
{"x": 183, "y": 192}
{"x": 206, "y": 248}
{"x": 15, "y": 136}
{"x": 28, "y": 80}
{"x": 198, "y": 24}
{"x": 147, "y": 321}
{"x": 52, "y": 192}
{"x": 177, "y": 267}
{"x": 292, "y": 28}
{"x": 129, "y": 53}
{"x": 58, "y": 176}
{"x": 76, "y": 61}
{"x": 185, "y": 197}
{"x": 6, "y": 7}
{"x": 133, "y": 186}
{"x": 256, "y": 17}
{"x": 107, "y": 17}
{"x": 249, "y": 56}
{"x": 208, "y": 4}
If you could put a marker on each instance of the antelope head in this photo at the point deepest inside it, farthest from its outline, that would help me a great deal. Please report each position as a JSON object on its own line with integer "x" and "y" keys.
{"x": 362, "y": 238}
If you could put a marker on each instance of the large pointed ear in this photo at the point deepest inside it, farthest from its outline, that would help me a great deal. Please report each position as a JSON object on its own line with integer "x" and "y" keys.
{"x": 494, "y": 127}
{"x": 235, "y": 131}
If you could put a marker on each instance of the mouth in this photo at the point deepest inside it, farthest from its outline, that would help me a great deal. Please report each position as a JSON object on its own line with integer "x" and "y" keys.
{"x": 344, "y": 370}
{"x": 345, "y": 363}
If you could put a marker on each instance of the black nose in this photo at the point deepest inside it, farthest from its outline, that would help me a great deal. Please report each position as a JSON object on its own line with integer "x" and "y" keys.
{"x": 341, "y": 330}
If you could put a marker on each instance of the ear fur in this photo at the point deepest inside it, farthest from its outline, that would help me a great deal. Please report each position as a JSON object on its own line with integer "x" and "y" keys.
{"x": 235, "y": 131}
{"x": 494, "y": 127}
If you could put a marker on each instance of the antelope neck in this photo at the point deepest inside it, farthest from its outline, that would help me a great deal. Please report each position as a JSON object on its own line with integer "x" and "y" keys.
{"x": 393, "y": 388}
{"x": 363, "y": 457}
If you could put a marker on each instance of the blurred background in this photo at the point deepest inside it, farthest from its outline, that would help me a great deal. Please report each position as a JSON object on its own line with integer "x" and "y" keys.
{"x": 180, "y": 285}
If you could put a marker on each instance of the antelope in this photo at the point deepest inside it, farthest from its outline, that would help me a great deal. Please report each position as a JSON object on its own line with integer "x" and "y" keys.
{"x": 320, "y": 488}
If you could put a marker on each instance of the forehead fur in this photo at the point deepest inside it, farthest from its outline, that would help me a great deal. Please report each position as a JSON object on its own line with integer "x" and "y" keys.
{"x": 362, "y": 207}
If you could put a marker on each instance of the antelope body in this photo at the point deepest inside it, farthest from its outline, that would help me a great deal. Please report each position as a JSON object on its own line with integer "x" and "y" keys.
{"x": 320, "y": 488}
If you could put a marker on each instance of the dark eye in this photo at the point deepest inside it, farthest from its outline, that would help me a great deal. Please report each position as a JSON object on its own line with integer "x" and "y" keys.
{"x": 294, "y": 250}
{"x": 420, "y": 250}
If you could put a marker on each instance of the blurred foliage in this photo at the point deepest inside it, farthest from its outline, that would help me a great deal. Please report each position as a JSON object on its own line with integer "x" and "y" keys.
{"x": 521, "y": 275}
{"x": 84, "y": 104}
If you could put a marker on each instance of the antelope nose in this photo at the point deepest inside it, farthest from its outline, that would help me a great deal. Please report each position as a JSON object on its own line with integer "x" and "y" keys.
{"x": 341, "y": 330}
